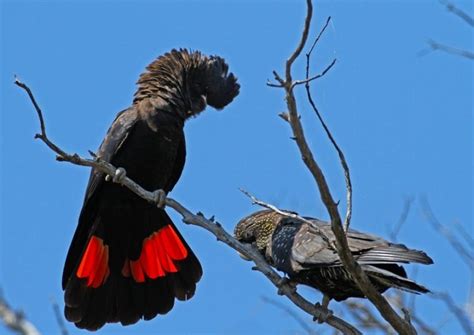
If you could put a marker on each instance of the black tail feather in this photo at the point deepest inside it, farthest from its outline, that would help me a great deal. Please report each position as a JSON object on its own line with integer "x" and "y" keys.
{"x": 392, "y": 279}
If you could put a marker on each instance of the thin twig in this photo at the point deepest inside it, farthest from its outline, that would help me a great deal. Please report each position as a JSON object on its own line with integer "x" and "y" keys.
{"x": 464, "y": 234}
{"x": 398, "y": 302}
{"x": 366, "y": 318}
{"x": 458, "y": 12}
{"x": 301, "y": 44}
{"x": 215, "y": 228}
{"x": 343, "y": 250}
{"x": 308, "y": 80}
{"x": 412, "y": 298}
{"x": 14, "y": 320}
{"x": 465, "y": 254}
{"x": 457, "y": 311}
{"x": 269, "y": 83}
{"x": 469, "y": 307}
{"x": 423, "y": 326}
{"x": 342, "y": 158}
{"x": 402, "y": 219}
{"x": 33, "y": 100}
{"x": 319, "y": 36}
{"x": 435, "y": 46}
{"x": 59, "y": 317}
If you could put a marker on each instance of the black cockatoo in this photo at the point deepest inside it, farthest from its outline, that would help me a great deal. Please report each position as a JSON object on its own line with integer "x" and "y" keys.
{"x": 298, "y": 249}
{"x": 127, "y": 260}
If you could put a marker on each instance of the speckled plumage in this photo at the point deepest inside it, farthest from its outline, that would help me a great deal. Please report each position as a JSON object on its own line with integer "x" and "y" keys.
{"x": 298, "y": 249}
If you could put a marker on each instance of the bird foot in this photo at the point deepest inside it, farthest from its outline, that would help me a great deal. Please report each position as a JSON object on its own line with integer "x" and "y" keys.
{"x": 324, "y": 313}
{"x": 120, "y": 173}
{"x": 159, "y": 197}
{"x": 286, "y": 281}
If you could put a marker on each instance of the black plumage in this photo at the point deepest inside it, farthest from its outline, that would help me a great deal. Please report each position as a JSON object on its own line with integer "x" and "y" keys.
{"x": 127, "y": 260}
{"x": 310, "y": 258}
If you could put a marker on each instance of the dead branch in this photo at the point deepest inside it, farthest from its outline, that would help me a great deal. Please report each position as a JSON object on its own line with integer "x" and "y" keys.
{"x": 462, "y": 232}
{"x": 458, "y": 12}
{"x": 59, "y": 317}
{"x": 397, "y": 300}
{"x": 401, "y": 325}
{"x": 308, "y": 79}
{"x": 457, "y": 311}
{"x": 462, "y": 251}
{"x": 436, "y": 46}
{"x": 199, "y": 220}
{"x": 15, "y": 320}
{"x": 367, "y": 320}
{"x": 365, "y": 317}
{"x": 465, "y": 254}
{"x": 402, "y": 219}
{"x": 342, "y": 158}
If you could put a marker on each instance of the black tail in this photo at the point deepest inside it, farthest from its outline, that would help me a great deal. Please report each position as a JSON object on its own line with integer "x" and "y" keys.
{"x": 130, "y": 264}
{"x": 392, "y": 275}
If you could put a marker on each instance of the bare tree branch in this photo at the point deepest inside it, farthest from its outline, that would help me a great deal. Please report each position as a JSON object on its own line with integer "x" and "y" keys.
{"x": 316, "y": 40}
{"x": 308, "y": 79}
{"x": 470, "y": 302}
{"x": 423, "y": 326}
{"x": 299, "y": 48}
{"x": 59, "y": 317}
{"x": 403, "y": 218}
{"x": 458, "y": 12}
{"x": 15, "y": 320}
{"x": 457, "y": 311}
{"x": 215, "y": 228}
{"x": 342, "y": 158}
{"x": 464, "y": 234}
{"x": 345, "y": 255}
{"x": 397, "y": 299}
{"x": 366, "y": 318}
{"x": 465, "y": 254}
{"x": 435, "y": 46}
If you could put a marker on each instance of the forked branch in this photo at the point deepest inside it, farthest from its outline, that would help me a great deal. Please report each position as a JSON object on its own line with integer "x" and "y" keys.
{"x": 400, "y": 325}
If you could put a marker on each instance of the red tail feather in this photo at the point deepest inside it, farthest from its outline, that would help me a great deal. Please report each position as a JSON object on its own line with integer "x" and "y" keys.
{"x": 94, "y": 263}
{"x": 159, "y": 250}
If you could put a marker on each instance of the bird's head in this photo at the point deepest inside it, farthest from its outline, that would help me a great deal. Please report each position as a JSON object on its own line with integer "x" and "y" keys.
{"x": 209, "y": 82}
{"x": 187, "y": 82}
{"x": 257, "y": 229}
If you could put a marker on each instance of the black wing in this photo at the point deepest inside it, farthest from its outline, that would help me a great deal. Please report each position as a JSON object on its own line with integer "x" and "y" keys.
{"x": 113, "y": 141}
{"x": 116, "y": 135}
{"x": 366, "y": 248}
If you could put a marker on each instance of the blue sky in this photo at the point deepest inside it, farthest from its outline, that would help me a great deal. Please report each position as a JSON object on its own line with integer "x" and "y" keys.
{"x": 404, "y": 121}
